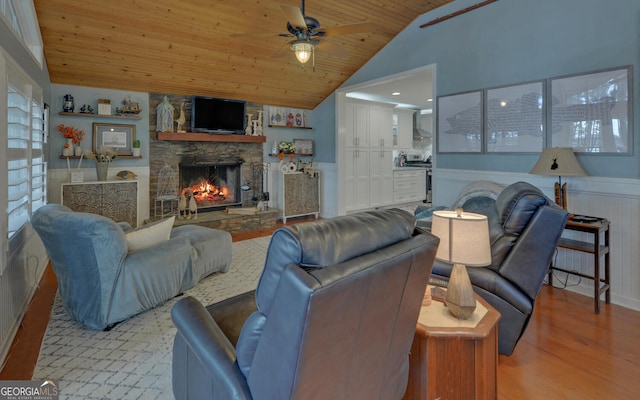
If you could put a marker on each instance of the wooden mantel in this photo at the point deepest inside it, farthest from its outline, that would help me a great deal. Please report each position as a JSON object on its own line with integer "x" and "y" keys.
{"x": 208, "y": 137}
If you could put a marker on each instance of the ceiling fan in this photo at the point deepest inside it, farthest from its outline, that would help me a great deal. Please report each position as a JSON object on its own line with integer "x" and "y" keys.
{"x": 307, "y": 33}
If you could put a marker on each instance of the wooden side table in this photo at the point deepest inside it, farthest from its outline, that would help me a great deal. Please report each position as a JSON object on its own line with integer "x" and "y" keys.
{"x": 596, "y": 227}
{"x": 454, "y": 359}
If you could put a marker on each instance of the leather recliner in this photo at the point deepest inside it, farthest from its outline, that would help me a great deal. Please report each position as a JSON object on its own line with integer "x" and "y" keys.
{"x": 333, "y": 316}
{"x": 524, "y": 227}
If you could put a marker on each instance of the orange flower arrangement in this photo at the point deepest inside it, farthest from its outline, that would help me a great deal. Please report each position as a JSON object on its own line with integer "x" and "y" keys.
{"x": 69, "y": 132}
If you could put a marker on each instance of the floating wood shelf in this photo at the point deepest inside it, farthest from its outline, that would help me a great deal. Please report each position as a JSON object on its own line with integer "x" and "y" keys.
{"x": 88, "y": 159}
{"x": 87, "y": 115}
{"x": 209, "y": 137}
{"x": 290, "y": 127}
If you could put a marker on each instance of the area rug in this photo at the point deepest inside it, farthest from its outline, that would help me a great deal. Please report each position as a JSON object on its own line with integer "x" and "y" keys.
{"x": 133, "y": 360}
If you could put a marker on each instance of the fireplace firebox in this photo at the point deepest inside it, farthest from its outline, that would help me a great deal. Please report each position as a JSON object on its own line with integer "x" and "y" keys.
{"x": 214, "y": 186}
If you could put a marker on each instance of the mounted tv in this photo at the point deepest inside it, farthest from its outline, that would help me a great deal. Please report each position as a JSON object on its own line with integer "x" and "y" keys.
{"x": 212, "y": 115}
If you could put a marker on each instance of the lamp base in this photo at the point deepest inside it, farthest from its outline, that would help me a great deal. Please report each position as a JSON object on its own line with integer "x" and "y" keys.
{"x": 460, "y": 298}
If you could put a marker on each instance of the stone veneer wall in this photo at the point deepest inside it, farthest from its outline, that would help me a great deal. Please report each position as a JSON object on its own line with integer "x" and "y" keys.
{"x": 163, "y": 152}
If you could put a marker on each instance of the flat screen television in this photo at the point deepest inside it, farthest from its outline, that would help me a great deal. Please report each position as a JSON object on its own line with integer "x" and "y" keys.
{"x": 212, "y": 115}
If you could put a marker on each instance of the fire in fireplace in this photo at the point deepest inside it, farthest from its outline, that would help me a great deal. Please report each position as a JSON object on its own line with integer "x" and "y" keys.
{"x": 214, "y": 186}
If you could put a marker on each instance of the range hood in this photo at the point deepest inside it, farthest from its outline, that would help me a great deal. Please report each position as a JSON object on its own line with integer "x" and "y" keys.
{"x": 418, "y": 132}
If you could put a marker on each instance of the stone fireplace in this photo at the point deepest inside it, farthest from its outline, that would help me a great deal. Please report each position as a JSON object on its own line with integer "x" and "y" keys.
{"x": 212, "y": 151}
{"x": 214, "y": 186}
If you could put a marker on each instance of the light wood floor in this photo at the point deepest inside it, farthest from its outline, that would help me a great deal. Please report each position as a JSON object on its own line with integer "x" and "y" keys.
{"x": 568, "y": 352}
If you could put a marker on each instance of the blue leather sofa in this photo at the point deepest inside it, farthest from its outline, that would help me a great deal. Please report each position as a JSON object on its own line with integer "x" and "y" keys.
{"x": 101, "y": 282}
{"x": 333, "y": 317}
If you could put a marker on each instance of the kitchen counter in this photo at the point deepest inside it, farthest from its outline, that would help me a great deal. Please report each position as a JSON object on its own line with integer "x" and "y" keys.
{"x": 409, "y": 168}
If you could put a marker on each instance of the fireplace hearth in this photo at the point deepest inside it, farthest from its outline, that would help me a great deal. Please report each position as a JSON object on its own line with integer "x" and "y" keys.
{"x": 214, "y": 186}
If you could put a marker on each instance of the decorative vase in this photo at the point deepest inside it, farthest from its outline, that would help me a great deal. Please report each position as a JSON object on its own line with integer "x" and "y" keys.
{"x": 67, "y": 151}
{"x": 102, "y": 169}
{"x": 78, "y": 151}
{"x": 281, "y": 156}
{"x": 291, "y": 155}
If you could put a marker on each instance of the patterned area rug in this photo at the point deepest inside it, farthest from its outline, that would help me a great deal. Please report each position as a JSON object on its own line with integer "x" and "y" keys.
{"x": 133, "y": 360}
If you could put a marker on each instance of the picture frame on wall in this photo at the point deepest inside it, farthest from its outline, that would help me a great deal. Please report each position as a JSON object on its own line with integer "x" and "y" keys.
{"x": 304, "y": 147}
{"x": 459, "y": 122}
{"x": 592, "y": 113}
{"x": 515, "y": 118}
{"x": 120, "y": 137}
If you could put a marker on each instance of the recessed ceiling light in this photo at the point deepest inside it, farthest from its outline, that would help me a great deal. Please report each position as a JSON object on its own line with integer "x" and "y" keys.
{"x": 395, "y": 94}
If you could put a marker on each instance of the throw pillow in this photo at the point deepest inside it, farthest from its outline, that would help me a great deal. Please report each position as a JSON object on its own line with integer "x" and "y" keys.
{"x": 150, "y": 235}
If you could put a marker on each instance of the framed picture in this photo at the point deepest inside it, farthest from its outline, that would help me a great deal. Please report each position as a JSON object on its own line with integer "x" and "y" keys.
{"x": 304, "y": 147}
{"x": 592, "y": 113}
{"x": 459, "y": 122}
{"x": 514, "y": 120}
{"x": 120, "y": 137}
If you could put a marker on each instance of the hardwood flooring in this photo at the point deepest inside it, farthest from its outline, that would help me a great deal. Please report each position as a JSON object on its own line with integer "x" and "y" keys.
{"x": 568, "y": 352}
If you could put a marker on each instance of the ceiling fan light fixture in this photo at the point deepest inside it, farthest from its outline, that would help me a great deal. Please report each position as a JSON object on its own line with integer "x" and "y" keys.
{"x": 303, "y": 50}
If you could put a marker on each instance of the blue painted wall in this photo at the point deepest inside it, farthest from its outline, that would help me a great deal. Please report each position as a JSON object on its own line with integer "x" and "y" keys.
{"x": 508, "y": 42}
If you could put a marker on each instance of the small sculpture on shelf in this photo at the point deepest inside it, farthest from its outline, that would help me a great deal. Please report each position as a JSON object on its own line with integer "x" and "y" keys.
{"x": 86, "y": 109}
{"x": 181, "y": 119}
{"x": 129, "y": 106}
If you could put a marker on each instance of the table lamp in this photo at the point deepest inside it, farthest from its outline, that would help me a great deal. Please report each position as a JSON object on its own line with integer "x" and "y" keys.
{"x": 558, "y": 161}
{"x": 464, "y": 241}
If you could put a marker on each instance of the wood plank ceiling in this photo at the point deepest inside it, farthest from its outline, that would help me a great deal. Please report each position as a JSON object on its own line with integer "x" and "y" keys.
{"x": 186, "y": 47}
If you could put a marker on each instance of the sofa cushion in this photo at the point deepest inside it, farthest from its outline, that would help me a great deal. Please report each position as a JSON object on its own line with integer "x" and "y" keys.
{"x": 150, "y": 235}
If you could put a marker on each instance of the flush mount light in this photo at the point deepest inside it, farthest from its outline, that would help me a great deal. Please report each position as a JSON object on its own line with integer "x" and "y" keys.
{"x": 395, "y": 94}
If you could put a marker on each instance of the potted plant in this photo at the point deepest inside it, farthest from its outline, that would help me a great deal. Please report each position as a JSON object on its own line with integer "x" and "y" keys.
{"x": 136, "y": 148}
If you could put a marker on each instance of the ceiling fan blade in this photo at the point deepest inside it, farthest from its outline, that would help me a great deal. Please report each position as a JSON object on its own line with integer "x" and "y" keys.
{"x": 238, "y": 34}
{"x": 349, "y": 29}
{"x": 333, "y": 49}
{"x": 284, "y": 50}
{"x": 294, "y": 16}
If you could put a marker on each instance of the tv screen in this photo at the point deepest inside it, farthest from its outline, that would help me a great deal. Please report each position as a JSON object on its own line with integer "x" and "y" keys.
{"x": 212, "y": 115}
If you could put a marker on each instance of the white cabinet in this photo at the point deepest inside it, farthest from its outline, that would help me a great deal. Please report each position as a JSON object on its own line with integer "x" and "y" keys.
{"x": 404, "y": 130}
{"x": 409, "y": 185}
{"x": 356, "y": 177}
{"x": 366, "y": 167}
{"x": 380, "y": 177}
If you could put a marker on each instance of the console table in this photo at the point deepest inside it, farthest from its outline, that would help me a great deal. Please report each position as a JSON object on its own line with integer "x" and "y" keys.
{"x": 117, "y": 200}
{"x": 596, "y": 227}
{"x": 454, "y": 359}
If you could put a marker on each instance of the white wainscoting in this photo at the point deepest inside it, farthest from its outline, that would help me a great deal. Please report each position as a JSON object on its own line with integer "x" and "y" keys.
{"x": 617, "y": 200}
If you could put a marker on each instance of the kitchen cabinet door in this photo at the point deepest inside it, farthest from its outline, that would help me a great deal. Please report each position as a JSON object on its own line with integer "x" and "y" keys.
{"x": 380, "y": 127}
{"x": 357, "y": 125}
{"x": 356, "y": 179}
{"x": 380, "y": 177}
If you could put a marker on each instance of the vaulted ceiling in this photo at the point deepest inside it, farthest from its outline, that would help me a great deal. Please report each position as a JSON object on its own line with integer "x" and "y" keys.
{"x": 188, "y": 47}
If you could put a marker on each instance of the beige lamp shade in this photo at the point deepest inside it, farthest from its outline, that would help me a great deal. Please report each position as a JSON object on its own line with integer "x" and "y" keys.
{"x": 558, "y": 161}
{"x": 464, "y": 238}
